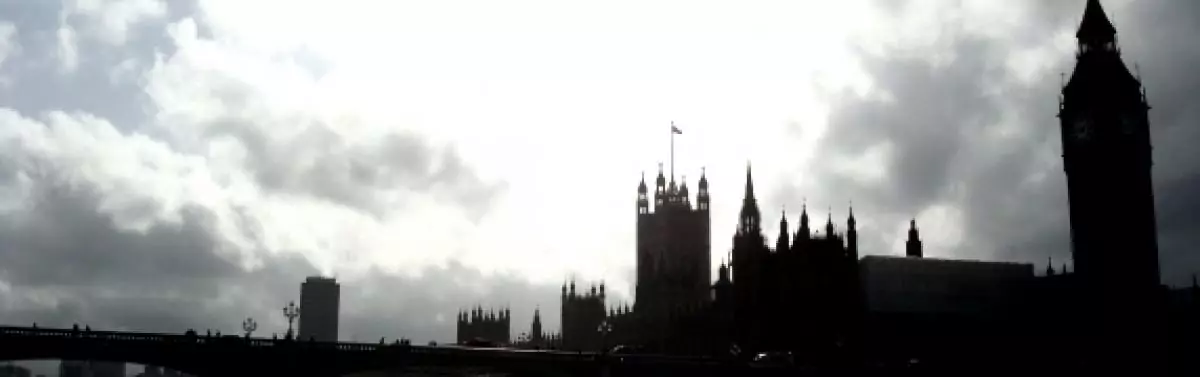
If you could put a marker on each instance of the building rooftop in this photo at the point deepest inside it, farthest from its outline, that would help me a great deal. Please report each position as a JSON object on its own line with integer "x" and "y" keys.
{"x": 320, "y": 279}
{"x": 903, "y": 259}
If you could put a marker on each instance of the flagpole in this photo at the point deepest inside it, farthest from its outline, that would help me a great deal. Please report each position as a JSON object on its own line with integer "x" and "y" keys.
{"x": 672, "y": 151}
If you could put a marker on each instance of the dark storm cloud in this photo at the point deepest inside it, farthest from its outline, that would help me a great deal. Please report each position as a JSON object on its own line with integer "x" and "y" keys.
{"x": 318, "y": 161}
{"x": 296, "y": 151}
{"x": 933, "y": 121}
{"x": 64, "y": 261}
{"x": 65, "y": 257}
{"x": 58, "y": 227}
{"x": 1158, "y": 37}
{"x": 940, "y": 125}
{"x": 928, "y": 115}
{"x": 108, "y": 82}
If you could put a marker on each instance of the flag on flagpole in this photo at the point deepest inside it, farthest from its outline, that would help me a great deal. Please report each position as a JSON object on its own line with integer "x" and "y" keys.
{"x": 675, "y": 129}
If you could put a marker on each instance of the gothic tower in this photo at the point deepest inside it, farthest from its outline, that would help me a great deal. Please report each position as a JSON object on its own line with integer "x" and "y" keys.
{"x": 748, "y": 261}
{"x": 535, "y": 329}
{"x": 852, "y": 236}
{"x": 750, "y": 218}
{"x": 804, "y": 233}
{"x": 912, "y": 248}
{"x": 674, "y": 256}
{"x": 1106, "y": 157}
{"x": 781, "y": 243}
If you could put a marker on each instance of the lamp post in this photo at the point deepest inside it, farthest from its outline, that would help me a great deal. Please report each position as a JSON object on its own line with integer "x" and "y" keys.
{"x": 604, "y": 329}
{"x": 291, "y": 312}
{"x": 249, "y": 326}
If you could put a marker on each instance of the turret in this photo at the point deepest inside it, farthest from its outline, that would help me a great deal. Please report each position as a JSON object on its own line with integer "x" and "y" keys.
{"x": 852, "y": 235}
{"x": 1049, "y": 266}
{"x": 829, "y": 225}
{"x": 702, "y": 195}
{"x": 749, "y": 219}
{"x": 913, "y": 246}
{"x": 643, "y": 200}
{"x": 781, "y": 244}
{"x": 683, "y": 193}
{"x": 804, "y": 233}
{"x": 535, "y": 329}
{"x": 660, "y": 188}
{"x": 672, "y": 192}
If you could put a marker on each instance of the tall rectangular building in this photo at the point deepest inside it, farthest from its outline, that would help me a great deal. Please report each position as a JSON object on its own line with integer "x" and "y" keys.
{"x": 319, "y": 300}
{"x": 674, "y": 256}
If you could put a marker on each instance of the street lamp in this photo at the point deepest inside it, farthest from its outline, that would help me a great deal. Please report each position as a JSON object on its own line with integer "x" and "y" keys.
{"x": 249, "y": 326}
{"x": 291, "y": 312}
{"x": 604, "y": 329}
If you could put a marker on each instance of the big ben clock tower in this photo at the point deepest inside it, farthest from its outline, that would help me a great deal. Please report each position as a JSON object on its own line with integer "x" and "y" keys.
{"x": 1106, "y": 156}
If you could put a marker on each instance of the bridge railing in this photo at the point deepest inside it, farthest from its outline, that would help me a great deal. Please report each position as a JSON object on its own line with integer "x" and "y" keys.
{"x": 241, "y": 341}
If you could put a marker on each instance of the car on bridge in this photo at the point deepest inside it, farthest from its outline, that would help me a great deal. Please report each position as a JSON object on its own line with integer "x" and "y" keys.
{"x": 625, "y": 349}
{"x": 773, "y": 359}
{"x": 480, "y": 343}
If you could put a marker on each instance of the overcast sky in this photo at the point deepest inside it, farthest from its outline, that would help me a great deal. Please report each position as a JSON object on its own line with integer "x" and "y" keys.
{"x": 185, "y": 164}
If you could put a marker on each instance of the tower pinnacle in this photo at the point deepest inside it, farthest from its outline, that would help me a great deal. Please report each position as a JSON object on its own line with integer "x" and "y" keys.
{"x": 1095, "y": 27}
{"x": 749, "y": 219}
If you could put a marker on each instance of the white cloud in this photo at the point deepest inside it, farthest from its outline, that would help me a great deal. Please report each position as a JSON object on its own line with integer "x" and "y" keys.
{"x": 109, "y": 21}
{"x": 9, "y": 45}
{"x": 68, "y": 49}
{"x": 538, "y": 102}
{"x": 533, "y": 94}
{"x": 106, "y": 21}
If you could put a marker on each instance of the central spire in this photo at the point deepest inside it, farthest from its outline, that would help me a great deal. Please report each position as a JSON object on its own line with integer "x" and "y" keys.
{"x": 749, "y": 219}
{"x": 1095, "y": 26}
{"x": 749, "y": 183}
{"x": 782, "y": 242}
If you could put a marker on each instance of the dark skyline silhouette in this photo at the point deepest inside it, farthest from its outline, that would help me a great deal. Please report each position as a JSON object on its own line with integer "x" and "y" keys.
{"x": 1010, "y": 202}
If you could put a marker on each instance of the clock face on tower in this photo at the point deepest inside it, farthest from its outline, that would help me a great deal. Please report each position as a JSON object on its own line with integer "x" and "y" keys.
{"x": 1082, "y": 129}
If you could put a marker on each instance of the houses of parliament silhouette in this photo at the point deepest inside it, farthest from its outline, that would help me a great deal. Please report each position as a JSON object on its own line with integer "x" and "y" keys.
{"x": 813, "y": 295}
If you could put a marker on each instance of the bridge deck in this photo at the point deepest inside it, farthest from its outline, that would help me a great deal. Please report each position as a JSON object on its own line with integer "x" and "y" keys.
{"x": 238, "y": 355}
